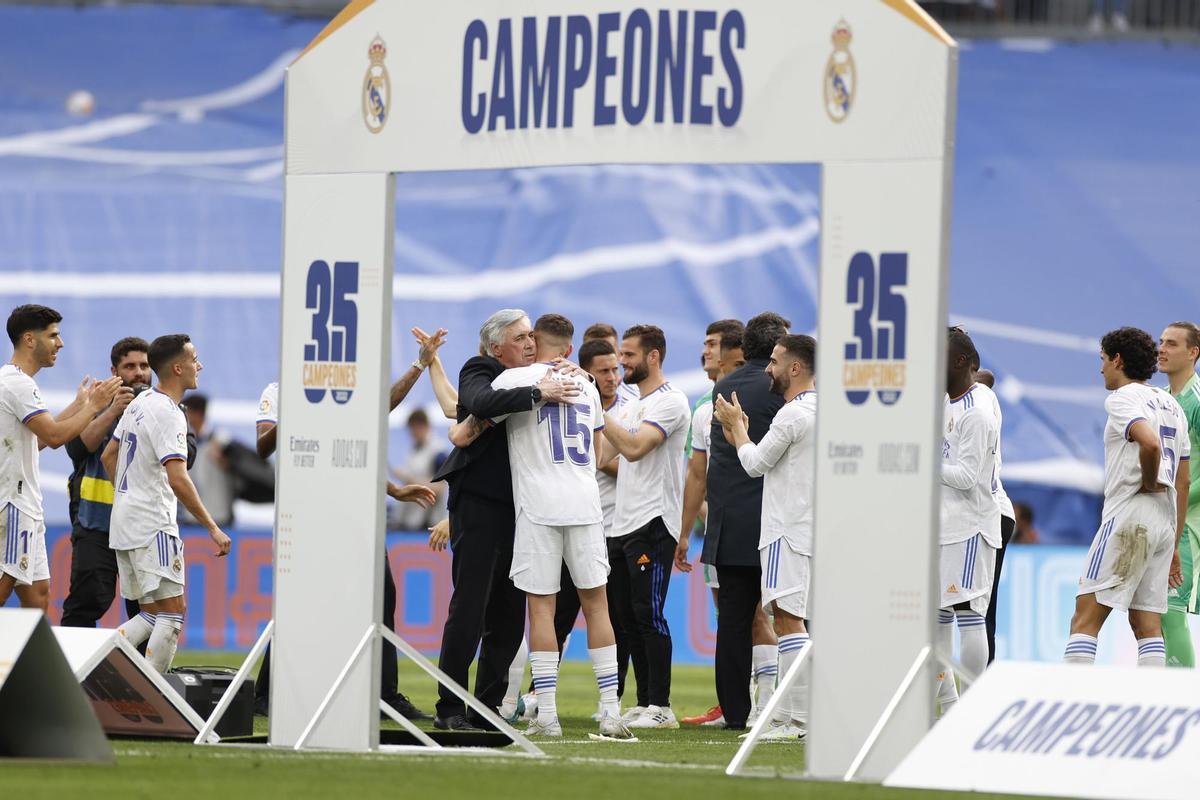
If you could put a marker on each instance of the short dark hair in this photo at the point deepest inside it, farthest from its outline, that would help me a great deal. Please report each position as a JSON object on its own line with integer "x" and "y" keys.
{"x": 196, "y": 402}
{"x": 1139, "y": 354}
{"x": 556, "y": 325}
{"x": 1193, "y": 332}
{"x": 731, "y": 339}
{"x": 130, "y": 344}
{"x": 960, "y": 343}
{"x": 650, "y": 337}
{"x": 723, "y": 326}
{"x": 165, "y": 349}
{"x": 593, "y": 349}
{"x": 31, "y": 317}
{"x": 762, "y": 332}
{"x": 801, "y": 347}
{"x": 417, "y": 417}
{"x": 599, "y": 330}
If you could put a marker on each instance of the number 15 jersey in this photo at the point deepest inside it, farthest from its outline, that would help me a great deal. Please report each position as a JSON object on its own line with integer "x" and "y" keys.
{"x": 550, "y": 450}
{"x": 1122, "y": 465}
{"x": 152, "y": 431}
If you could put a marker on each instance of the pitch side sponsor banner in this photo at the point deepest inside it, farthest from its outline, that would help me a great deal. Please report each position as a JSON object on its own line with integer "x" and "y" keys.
{"x": 1066, "y": 730}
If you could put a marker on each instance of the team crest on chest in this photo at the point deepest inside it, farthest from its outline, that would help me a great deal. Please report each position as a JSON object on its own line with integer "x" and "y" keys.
{"x": 377, "y": 88}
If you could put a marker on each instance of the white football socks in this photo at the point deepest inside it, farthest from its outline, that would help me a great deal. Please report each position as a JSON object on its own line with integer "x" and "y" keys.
{"x": 794, "y": 705}
{"x": 1152, "y": 652}
{"x": 138, "y": 629}
{"x": 1081, "y": 649}
{"x": 604, "y": 664}
{"x": 164, "y": 639}
{"x": 973, "y": 640}
{"x": 947, "y": 690}
{"x": 545, "y": 682}
{"x": 516, "y": 675}
{"x": 765, "y": 659}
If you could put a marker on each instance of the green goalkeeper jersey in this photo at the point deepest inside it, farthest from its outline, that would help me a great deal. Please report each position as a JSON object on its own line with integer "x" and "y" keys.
{"x": 1189, "y": 399}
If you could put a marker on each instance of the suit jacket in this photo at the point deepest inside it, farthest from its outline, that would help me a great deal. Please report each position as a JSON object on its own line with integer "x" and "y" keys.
{"x": 734, "y": 498}
{"x": 481, "y": 469}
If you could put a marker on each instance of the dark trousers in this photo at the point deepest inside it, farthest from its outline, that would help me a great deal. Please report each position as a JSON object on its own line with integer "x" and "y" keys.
{"x": 737, "y": 602}
{"x": 640, "y": 590}
{"x": 1007, "y": 526}
{"x": 93, "y": 580}
{"x": 487, "y": 613}
{"x": 387, "y": 670}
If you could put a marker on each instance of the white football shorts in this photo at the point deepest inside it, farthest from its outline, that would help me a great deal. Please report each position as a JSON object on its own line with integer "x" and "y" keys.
{"x": 23, "y": 546}
{"x": 153, "y": 572}
{"x": 1129, "y": 562}
{"x": 967, "y": 569}
{"x": 539, "y": 552}
{"x": 786, "y": 575}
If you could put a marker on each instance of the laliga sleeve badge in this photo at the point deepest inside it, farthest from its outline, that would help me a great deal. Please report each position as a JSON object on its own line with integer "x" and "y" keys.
{"x": 377, "y": 88}
{"x": 841, "y": 79}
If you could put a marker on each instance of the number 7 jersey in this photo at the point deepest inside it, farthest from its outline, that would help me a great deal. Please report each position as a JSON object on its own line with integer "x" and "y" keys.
{"x": 550, "y": 450}
{"x": 152, "y": 431}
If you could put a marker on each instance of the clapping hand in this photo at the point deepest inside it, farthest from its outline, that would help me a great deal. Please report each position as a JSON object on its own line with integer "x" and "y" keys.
{"x": 429, "y": 344}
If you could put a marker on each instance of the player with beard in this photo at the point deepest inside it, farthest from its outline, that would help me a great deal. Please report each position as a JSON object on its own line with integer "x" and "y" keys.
{"x": 25, "y": 427}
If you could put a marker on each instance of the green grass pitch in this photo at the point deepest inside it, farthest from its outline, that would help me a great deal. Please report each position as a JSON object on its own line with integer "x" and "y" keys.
{"x": 684, "y": 764}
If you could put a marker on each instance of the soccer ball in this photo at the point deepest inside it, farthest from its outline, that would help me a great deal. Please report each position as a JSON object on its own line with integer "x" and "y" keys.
{"x": 81, "y": 103}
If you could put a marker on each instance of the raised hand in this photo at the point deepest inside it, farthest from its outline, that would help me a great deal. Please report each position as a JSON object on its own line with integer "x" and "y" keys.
{"x": 101, "y": 393}
{"x": 429, "y": 344}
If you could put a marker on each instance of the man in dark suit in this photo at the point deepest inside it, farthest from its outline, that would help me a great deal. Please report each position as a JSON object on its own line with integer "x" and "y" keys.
{"x": 734, "y": 513}
{"x": 486, "y": 611}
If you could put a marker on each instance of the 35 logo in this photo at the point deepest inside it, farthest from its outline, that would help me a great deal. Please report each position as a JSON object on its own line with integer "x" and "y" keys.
{"x": 875, "y": 354}
{"x": 330, "y": 356}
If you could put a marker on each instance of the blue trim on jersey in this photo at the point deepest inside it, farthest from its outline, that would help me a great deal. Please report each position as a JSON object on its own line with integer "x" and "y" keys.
{"x": 32, "y": 415}
{"x": 655, "y": 424}
{"x": 966, "y": 396}
{"x": 172, "y": 457}
{"x": 1130, "y": 425}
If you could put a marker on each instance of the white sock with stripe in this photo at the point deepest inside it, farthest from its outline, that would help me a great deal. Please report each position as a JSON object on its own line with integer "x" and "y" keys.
{"x": 164, "y": 639}
{"x": 795, "y": 703}
{"x": 1081, "y": 649}
{"x": 1152, "y": 652}
{"x": 544, "y": 664}
{"x": 972, "y": 633}
{"x": 138, "y": 629}
{"x": 766, "y": 670}
{"x": 604, "y": 664}
{"x": 516, "y": 674}
{"x": 947, "y": 689}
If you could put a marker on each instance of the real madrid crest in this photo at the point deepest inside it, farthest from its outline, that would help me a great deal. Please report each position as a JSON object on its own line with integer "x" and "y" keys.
{"x": 840, "y": 78}
{"x": 24, "y": 564}
{"x": 377, "y": 88}
{"x": 177, "y": 564}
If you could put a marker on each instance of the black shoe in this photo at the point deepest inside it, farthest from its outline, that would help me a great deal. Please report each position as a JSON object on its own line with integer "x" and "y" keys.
{"x": 260, "y": 706}
{"x": 405, "y": 708}
{"x": 458, "y": 722}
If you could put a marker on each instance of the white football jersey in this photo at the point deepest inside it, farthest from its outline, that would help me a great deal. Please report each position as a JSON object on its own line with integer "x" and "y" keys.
{"x": 653, "y": 485}
{"x": 969, "y": 467}
{"x": 607, "y": 483}
{"x": 20, "y": 402}
{"x": 702, "y": 427}
{"x": 785, "y": 459}
{"x": 268, "y": 405}
{"x": 1002, "y": 499}
{"x": 550, "y": 450}
{"x": 1122, "y": 467}
{"x": 152, "y": 431}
